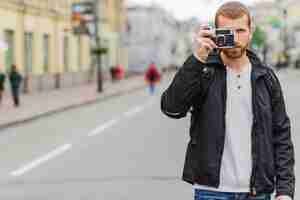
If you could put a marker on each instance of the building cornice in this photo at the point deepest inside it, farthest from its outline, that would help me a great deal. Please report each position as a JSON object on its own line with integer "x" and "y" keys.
{"x": 37, "y": 9}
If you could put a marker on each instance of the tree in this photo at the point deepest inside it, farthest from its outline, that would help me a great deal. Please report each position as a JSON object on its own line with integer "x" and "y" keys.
{"x": 258, "y": 38}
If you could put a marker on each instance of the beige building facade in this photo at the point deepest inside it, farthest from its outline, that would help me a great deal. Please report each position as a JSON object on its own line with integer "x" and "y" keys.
{"x": 114, "y": 18}
{"x": 37, "y": 36}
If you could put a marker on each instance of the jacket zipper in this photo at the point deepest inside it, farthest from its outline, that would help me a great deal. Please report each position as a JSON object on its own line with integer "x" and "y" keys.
{"x": 253, "y": 140}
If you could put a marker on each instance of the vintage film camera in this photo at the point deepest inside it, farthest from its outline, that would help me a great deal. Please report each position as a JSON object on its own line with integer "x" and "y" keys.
{"x": 224, "y": 38}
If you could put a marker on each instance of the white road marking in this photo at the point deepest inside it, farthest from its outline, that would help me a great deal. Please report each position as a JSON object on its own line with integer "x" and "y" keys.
{"x": 103, "y": 127}
{"x": 41, "y": 160}
{"x": 134, "y": 111}
{"x": 58, "y": 151}
{"x": 112, "y": 122}
{"x": 140, "y": 108}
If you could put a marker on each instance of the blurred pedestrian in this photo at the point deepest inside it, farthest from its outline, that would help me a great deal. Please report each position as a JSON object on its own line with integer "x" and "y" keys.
{"x": 240, "y": 133}
{"x": 112, "y": 71}
{"x": 15, "y": 81}
{"x": 281, "y": 63}
{"x": 297, "y": 63}
{"x": 265, "y": 52}
{"x": 152, "y": 76}
{"x": 119, "y": 72}
{"x": 2, "y": 86}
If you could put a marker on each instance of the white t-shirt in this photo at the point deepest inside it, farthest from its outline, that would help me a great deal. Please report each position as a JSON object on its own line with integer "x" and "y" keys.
{"x": 236, "y": 163}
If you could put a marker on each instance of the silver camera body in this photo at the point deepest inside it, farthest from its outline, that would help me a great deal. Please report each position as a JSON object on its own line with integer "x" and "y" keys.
{"x": 224, "y": 38}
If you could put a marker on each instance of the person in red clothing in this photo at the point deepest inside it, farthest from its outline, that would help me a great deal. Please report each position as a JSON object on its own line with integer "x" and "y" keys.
{"x": 119, "y": 72}
{"x": 152, "y": 76}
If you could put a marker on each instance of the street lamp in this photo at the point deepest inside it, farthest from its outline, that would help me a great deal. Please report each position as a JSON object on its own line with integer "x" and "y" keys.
{"x": 98, "y": 46}
{"x": 26, "y": 77}
{"x": 285, "y": 37}
{"x": 84, "y": 13}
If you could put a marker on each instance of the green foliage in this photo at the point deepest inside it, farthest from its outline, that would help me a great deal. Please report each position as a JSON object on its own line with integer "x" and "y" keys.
{"x": 100, "y": 50}
{"x": 258, "y": 38}
{"x": 274, "y": 21}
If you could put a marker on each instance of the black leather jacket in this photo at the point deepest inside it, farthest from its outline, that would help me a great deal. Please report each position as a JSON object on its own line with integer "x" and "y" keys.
{"x": 272, "y": 148}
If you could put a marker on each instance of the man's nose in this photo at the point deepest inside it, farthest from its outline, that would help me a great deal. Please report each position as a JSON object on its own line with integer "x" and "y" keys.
{"x": 235, "y": 35}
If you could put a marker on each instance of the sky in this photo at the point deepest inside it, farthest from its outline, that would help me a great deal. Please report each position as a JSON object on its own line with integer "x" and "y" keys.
{"x": 184, "y": 9}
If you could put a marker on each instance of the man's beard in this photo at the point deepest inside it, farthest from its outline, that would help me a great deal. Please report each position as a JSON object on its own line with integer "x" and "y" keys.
{"x": 234, "y": 53}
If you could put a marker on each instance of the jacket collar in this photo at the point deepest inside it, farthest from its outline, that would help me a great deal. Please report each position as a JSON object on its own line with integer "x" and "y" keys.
{"x": 258, "y": 70}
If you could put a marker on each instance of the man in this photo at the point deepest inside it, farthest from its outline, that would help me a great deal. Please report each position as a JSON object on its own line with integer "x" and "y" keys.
{"x": 152, "y": 76}
{"x": 112, "y": 73}
{"x": 240, "y": 145}
{"x": 2, "y": 81}
{"x": 15, "y": 81}
{"x": 119, "y": 72}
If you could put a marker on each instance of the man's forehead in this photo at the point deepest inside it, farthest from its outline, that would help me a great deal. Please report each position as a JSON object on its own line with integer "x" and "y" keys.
{"x": 233, "y": 23}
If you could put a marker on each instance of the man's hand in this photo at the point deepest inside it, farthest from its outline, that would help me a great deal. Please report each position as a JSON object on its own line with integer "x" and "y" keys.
{"x": 283, "y": 197}
{"x": 203, "y": 42}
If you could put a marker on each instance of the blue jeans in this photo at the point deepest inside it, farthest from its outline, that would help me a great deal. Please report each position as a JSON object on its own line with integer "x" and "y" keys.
{"x": 211, "y": 195}
{"x": 151, "y": 88}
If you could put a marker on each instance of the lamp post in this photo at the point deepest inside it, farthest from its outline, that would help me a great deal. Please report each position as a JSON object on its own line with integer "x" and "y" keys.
{"x": 84, "y": 14}
{"x": 26, "y": 77}
{"x": 285, "y": 37}
{"x": 98, "y": 47}
{"x": 87, "y": 13}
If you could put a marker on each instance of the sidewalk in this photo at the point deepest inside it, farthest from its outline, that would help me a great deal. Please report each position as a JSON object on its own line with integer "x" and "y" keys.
{"x": 34, "y": 106}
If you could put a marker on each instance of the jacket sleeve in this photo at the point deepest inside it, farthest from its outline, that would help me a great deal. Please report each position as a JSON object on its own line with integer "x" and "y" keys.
{"x": 177, "y": 98}
{"x": 283, "y": 146}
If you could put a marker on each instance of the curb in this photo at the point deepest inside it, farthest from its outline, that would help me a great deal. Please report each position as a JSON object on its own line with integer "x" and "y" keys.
{"x": 70, "y": 107}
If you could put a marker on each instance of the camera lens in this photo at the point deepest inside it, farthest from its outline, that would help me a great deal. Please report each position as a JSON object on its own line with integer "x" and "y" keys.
{"x": 229, "y": 40}
{"x": 220, "y": 41}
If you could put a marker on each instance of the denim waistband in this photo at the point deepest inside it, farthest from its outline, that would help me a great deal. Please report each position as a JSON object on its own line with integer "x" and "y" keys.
{"x": 214, "y": 195}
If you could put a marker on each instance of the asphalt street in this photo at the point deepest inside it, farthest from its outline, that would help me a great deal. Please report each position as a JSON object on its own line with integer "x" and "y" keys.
{"x": 120, "y": 149}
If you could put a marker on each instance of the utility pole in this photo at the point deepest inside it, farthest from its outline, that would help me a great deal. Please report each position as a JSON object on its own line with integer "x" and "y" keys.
{"x": 282, "y": 6}
{"x": 98, "y": 47}
{"x": 84, "y": 13}
{"x": 285, "y": 37}
{"x": 26, "y": 77}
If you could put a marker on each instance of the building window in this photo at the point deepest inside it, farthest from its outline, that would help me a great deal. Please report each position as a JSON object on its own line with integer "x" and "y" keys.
{"x": 28, "y": 57}
{"x": 66, "y": 53}
{"x": 46, "y": 53}
{"x": 9, "y": 54}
